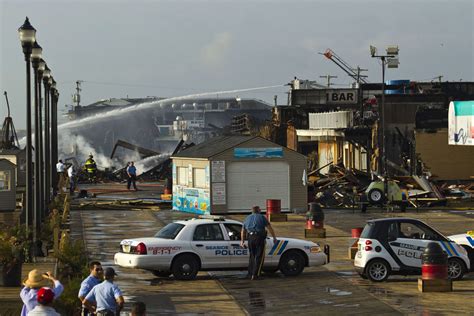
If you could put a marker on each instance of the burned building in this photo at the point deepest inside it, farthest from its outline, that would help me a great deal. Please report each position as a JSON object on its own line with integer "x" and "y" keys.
{"x": 341, "y": 125}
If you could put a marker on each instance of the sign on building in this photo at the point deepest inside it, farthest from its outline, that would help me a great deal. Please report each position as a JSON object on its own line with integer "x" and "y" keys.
{"x": 461, "y": 123}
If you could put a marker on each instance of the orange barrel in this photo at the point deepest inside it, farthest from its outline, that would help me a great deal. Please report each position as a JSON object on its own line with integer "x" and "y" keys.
{"x": 273, "y": 207}
{"x": 356, "y": 232}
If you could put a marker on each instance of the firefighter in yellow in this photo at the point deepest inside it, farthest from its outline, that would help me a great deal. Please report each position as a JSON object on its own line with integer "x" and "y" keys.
{"x": 91, "y": 168}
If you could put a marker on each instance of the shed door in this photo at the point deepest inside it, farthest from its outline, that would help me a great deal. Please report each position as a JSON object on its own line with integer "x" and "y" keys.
{"x": 252, "y": 183}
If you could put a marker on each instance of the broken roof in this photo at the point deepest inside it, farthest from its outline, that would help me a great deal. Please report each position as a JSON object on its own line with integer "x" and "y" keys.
{"x": 213, "y": 146}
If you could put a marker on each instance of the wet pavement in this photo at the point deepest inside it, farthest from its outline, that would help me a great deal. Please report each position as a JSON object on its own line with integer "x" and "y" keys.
{"x": 334, "y": 289}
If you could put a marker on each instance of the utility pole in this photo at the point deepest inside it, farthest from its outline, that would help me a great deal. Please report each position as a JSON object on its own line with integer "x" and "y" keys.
{"x": 76, "y": 98}
{"x": 328, "y": 79}
{"x": 359, "y": 76}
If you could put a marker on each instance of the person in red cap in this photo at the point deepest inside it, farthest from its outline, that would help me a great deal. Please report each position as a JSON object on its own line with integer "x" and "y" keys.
{"x": 45, "y": 299}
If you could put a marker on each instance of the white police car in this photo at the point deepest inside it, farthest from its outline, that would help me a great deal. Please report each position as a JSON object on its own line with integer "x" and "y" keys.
{"x": 183, "y": 248}
{"x": 395, "y": 246}
{"x": 467, "y": 242}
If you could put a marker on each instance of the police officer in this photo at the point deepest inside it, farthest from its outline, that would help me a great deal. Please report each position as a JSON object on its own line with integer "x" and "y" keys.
{"x": 254, "y": 227}
{"x": 94, "y": 278}
{"x": 105, "y": 299}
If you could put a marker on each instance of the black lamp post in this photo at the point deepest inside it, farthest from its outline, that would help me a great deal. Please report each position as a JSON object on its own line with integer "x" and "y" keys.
{"x": 35, "y": 60}
{"x": 27, "y": 38}
{"x": 41, "y": 68}
{"x": 54, "y": 130}
{"x": 47, "y": 133}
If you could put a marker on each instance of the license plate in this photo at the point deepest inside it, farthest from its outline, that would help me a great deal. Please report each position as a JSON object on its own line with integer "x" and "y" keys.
{"x": 126, "y": 248}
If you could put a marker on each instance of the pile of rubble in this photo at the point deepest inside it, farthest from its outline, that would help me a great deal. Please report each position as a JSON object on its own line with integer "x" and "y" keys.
{"x": 341, "y": 187}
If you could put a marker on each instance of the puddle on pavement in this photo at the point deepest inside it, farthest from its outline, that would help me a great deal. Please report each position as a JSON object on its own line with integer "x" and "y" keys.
{"x": 346, "y": 273}
{"x": 337, "y": 292}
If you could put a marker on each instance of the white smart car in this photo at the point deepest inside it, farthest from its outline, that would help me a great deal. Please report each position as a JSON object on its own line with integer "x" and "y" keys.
{"x": 183, "y": 248}
{"x": 395, "y": 246}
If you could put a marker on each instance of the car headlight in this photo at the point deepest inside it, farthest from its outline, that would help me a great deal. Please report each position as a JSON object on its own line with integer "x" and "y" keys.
{"x": 315, "y": 249}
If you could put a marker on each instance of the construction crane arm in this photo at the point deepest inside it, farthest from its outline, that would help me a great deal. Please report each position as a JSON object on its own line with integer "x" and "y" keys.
{"x": 331, "y": 55}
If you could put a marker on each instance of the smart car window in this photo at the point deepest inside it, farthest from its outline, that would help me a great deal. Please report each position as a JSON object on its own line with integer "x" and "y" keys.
{"x": 233, "y": 231}
{"x": 170, "y": 231}
{"x": 208, "y": 232}
{"x": 366, "y": 233}
{"x": 412, "y": 231}
{"x": 392, "y": 231}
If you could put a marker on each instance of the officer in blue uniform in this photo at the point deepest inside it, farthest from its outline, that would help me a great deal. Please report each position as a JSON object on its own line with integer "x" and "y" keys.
{"x": 254, "y": 228}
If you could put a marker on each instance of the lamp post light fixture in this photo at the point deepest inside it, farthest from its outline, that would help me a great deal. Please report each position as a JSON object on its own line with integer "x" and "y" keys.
{"x": 35, "y": 60}
{"x": 27, "y": 35}
{"x": 47, "y": 133}
{"x": 391, "y": 61}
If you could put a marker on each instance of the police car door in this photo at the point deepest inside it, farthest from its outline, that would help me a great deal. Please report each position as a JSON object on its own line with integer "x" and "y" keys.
{"x": 239, "y": 256}
{"x": 407, "y": 242}
{"x": 209, "y": 242}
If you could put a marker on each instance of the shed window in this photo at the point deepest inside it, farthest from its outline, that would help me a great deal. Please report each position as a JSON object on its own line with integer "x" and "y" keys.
{"x": 182, "y": 175}
{"x": 199, "y": 177}
{"x": 5, "y": 181}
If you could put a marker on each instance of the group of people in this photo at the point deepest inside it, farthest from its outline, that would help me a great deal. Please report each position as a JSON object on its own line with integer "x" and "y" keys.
{"x": 68, "y": 171}
{"x": 98, "y": 294}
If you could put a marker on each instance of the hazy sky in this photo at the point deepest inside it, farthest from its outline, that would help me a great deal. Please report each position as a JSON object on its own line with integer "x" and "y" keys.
{"x": 172, "y": 48}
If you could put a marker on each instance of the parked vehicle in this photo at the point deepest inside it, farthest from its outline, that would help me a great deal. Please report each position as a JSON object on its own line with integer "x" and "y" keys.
{"x": 183, "y": 248}
{"x": 395, "y": 246}
{"x": 375, "y": 195}
{"x": 467, "y": 242}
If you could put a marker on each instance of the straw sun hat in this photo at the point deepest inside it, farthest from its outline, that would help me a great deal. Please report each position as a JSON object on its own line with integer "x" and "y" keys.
{"x": 35, "y": 279}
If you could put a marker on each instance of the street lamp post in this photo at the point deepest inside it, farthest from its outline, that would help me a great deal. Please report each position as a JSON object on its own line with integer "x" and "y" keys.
{"x": 27, "y": 38}
{"x": 35, "y": 60}
{"x": 41, "y": 68}
{"x": 47, "y": 133}
{"x": 54, "y": 130}
{"x": 392, "y": 62}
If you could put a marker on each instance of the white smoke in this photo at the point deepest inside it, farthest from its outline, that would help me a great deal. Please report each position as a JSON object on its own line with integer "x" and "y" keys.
{"x": 70, "y": 145}
{"x": 150, "y": 162}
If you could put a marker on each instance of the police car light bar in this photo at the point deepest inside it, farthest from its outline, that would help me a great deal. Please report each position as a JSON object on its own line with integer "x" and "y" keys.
{"x": 214, "y": 217}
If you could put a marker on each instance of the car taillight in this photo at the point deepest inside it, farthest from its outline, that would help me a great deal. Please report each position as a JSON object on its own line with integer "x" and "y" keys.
{"x": 368, "y": 248}
{"x": 368, "y": 242}
{"x": 141, "y": 249}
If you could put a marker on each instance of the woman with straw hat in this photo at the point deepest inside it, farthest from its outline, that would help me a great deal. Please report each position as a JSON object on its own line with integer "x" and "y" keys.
{"x": 35, "y": 281}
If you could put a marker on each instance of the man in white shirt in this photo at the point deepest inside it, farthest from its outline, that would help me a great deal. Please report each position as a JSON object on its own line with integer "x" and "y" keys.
{"x": 45, "y": 300}
{"x": 61, "y": 169}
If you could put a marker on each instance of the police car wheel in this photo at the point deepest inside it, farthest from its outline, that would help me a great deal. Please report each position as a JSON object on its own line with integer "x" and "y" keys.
{"x": 455, "y": 269}
{"x": 161, "y": 274}
{"x": 292, "y": 263}
{"x": 377, "y": 270}
{"x": 185, "y": 267}
{"x": 375, "y": 196}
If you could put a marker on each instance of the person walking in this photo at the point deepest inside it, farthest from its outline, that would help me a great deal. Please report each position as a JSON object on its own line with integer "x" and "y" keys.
{"x": 61, "y": 171}
{"x": 71, "y": 172}
{"x": 132, "y": 175}
{"x": 95, "y": 277}
{"x": 35, "y": 281}
{"x": 105, "y": 299}
{"x": 45, "y": 301}
{"x": 254, "y": 228}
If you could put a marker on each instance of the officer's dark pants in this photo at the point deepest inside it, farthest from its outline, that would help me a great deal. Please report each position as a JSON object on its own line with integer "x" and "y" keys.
{"x": 131, "y": 180}
{"x": 256, "y": 248}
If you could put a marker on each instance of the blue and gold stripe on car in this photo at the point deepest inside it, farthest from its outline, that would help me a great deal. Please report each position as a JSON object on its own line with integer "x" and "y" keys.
{"x": 449, "y": 248}
{"x": 278, "y": 247}
{"x": 471, "y": 241}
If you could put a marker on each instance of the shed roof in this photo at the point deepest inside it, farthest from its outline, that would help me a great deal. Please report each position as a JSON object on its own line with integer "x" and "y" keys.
{"x": 213, "y": 146}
